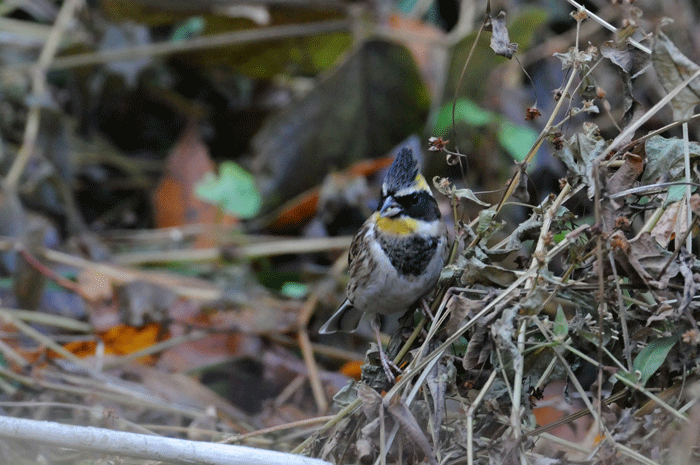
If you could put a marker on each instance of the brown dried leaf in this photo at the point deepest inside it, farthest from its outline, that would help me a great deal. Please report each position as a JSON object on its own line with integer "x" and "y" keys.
{"x": 213, "y": 349}
{"x": 411, "y": 428}
{"x": 623, "y": 179}
{"x": 695, "y": 204}
{"x": 476, "y": 353}
{"x": 673, "y": 67}
{"x": 643, "y": 259}
{"x": 371, "y": 401}
{"x": 626, "y": 175}
{"x": 664, "y": 312}
{"x": 460, "y": 309}
{"x": 665, "y": 229}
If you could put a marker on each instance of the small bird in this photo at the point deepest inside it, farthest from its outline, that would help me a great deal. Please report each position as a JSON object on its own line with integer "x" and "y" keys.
{"x": 398, "y": 254}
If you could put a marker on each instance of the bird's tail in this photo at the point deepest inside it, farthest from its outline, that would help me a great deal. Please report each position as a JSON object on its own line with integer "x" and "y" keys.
{"x": 345, "y": 319}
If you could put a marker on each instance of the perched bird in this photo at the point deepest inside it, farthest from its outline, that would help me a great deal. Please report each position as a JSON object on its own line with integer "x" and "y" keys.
{"x": 397, "y": 255}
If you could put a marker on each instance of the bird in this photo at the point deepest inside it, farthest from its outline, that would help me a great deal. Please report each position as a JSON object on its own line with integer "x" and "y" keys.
{"x": 396, "y": 257}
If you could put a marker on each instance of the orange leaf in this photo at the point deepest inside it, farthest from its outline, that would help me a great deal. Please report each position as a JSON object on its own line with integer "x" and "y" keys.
{"x": 353, "y": 369}
{"x": 302, "y": 208}
{"x": 121, "y": 340}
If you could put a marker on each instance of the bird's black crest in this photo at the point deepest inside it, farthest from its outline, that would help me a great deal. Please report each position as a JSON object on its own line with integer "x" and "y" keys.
{"x": 402, "y": 172}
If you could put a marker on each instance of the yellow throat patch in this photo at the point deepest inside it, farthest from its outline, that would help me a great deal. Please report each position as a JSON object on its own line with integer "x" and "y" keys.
{"x": 398, "y": 226}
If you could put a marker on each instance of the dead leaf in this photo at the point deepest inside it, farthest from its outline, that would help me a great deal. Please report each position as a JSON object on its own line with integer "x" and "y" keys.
{"x": 411, "y": 428}
{"x": 297, "y": 212}
{"x": 477, "y": 271}
{"x": 664, "y": 158}
{"x": 352, "y": 369}
{"x": 478, "y": 348}
{"x": 664, "y": 231}
{"x": 643, "y": 259}
{"x": 500, "y": 40}
{"x": 174, "y": 200}
{"x": 371, "y": 401}
{"x": 673, "y": 68}
{"x": 121, "y": 340}
{"x": 623, "y": 179}
{"x": 461, "y": 308}
{"x": 209, "y": 351}
{"x": 664, "y": 313}
{"x": 366, "y": 106}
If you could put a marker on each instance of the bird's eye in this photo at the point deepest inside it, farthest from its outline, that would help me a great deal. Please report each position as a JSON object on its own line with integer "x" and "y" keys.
{"x": 408, "y": 200}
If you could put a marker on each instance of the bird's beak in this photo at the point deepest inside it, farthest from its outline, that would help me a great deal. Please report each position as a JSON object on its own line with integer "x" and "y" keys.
{"x": 389, "y": 208}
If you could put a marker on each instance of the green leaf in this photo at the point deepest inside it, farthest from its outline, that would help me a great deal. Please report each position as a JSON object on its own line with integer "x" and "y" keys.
{"x": 485, "y": 219}
{"x": 324, "y": 52}
{"x": 191, "y": 27}
{"x": 561, "y": 325}
{"x": 516, "y": 139}
{"x": 466, "y": 111}
{"x": 560, "y": 237}
{"x": 652, "y": 357}
{"x": 233, "y": 190}
{"x": 675, "y": 193}
{"x": 294, "y": 290}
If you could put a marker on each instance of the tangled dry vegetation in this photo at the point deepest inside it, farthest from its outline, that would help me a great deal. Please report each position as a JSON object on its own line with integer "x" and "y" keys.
{"x": 593, "y": 291}
{"x": 605, "y": 301}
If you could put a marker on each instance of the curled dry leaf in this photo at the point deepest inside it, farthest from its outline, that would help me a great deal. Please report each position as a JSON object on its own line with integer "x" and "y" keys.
{"x": 664, "y": 231}
{"x": 460, "y": 309}
{"x": 673, "y": 68}
{"x": 643, "y": 259}
{"x": 500, "y": 40}
{"x": 623, "y": 179}
{"x": 411, "y": 428}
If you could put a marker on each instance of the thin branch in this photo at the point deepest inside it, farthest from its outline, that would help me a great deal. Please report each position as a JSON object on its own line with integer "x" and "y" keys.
{"x": 105, "y": 441}
{"x": 38, "y": 73}
{"x": 199, "y": 43}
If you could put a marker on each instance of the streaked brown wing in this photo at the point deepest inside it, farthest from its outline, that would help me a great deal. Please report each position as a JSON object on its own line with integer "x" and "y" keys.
{"x": 355, "y": 245}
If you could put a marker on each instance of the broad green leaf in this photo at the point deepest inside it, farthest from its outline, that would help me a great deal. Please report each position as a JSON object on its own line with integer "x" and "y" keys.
{"x": 294, "y": 290}
{"x": 466, "y": 112}
{"x": 324, "y": 52}
{"x": 233, "y": 190}
{"x": 516, "y": 139}
{"x": 652, "y": 357}
{"x": 675, "y": 193}
{"x": 191, "y": 27}
{"x": 523, "y": 28}
{"x": 362, "y": 109}
{"x": 561, "y": 325}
